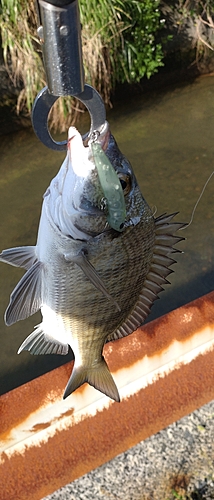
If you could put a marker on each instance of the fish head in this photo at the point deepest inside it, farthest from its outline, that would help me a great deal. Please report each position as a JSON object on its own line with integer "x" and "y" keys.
{"x": 77, "y": 202}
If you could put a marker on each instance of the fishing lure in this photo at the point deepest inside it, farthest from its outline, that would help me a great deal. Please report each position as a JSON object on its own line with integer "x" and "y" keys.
{"x": 111, "y": 187}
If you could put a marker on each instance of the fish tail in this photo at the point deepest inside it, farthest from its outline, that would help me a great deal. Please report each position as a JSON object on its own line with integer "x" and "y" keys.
{"x": 99, "y": 377}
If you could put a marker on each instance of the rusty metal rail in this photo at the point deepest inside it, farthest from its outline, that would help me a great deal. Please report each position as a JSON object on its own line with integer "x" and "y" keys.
{"x": 163, "y": 371}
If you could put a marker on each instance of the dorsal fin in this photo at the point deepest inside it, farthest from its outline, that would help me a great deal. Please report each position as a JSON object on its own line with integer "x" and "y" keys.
{"x": 156, "y": 277}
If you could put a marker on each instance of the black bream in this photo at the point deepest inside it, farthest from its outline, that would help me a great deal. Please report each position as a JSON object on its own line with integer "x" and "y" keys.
{"x": 92, "y": 283}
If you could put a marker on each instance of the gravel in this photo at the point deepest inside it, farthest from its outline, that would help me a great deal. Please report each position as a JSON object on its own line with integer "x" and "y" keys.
{"x": 177, "y": 462}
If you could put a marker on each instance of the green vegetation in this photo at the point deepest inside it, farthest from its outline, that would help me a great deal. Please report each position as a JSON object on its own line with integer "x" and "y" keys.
{"x": 125, "y": 32}
{"x": 119, "y": 45}
{"x": 197, "y": 15}
{"x": 119, "y": 41}
{"x": 178, "y": 496}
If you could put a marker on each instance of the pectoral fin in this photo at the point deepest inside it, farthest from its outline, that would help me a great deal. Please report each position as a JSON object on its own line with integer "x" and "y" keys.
{"x": 82, "y": 261}
{"x": 25, "y": 299}
{"x": 19, "y": 256}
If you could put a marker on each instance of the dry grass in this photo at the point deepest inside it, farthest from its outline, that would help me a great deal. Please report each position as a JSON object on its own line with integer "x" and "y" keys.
{"x": 23, "y": 59}
{"x": 21, "y": 51}
{"x": 107, "y": 55}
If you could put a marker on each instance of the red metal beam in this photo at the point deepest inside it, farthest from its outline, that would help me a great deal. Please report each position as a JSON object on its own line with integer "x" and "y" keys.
{"x": 164, "y": 371}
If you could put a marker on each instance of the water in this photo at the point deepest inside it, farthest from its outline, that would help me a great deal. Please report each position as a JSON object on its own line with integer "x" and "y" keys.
{"x": 169, "y": 139}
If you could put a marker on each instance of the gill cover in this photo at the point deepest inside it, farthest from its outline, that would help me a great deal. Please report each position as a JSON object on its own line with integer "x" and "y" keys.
{"x": 111, "y": 187}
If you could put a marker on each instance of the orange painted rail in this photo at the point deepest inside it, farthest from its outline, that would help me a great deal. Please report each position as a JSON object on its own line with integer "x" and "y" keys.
{"x": 163, "y": 371}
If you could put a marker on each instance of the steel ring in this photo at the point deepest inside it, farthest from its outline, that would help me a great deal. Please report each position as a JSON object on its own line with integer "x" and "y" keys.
{"x": 43, "y": 104}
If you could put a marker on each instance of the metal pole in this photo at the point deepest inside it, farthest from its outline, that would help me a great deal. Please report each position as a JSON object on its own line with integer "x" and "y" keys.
{"x": 60, "y": 36}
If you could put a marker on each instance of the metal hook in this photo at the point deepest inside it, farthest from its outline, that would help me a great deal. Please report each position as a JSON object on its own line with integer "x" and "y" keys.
{"x": 43, "y": 104}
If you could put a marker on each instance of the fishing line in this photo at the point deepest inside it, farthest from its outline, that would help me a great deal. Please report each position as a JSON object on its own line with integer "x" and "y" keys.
{"x": 154, "y": 210}
{"x": 197, "y": 202}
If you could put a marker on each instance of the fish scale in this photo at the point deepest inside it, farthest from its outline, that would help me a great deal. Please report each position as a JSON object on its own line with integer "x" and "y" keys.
{"x": 92, "y": 282}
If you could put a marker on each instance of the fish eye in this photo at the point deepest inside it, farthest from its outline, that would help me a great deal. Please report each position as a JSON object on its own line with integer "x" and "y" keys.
{"x": 125, "y": 181}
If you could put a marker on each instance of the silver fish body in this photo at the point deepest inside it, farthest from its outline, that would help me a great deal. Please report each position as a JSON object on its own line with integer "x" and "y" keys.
{"x": 92, "y": 283}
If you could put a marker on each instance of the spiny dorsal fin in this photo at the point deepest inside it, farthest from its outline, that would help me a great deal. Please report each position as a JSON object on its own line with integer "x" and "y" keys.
{"x": 156, "y": 277}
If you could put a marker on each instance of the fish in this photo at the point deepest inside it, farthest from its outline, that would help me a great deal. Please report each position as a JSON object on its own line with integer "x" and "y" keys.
{"x": 94, "y": 277}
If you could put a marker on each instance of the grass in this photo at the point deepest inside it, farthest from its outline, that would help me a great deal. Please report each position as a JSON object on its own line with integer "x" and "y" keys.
{"x": 21, "y": 49}
{"x": 118, "y": 43}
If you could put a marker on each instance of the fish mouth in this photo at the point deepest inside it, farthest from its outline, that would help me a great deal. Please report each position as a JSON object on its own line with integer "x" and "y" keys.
{"x": 86, "y": 208}
{"x": 92, "y": 234}
{"x": 91, "y": 223}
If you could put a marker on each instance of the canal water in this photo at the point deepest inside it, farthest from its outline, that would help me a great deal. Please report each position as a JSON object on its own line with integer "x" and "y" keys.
{"x": 169, "y": 139}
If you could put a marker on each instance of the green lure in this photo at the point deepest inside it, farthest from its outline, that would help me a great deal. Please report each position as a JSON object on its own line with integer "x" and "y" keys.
{"x": 111, "y": 187}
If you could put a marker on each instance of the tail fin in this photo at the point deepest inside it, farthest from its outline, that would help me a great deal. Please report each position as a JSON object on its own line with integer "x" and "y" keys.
{"x": 99, "y": 377}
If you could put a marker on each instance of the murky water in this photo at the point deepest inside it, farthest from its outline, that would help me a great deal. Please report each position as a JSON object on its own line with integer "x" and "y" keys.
{"x": 169, "y": 139}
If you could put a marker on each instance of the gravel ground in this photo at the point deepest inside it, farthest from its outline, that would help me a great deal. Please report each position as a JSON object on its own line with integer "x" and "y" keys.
{"x": 177, "y": 462}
